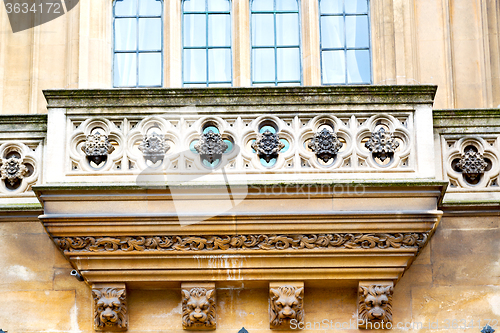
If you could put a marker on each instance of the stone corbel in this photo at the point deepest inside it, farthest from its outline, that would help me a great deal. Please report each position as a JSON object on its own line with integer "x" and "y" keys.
{"x": 286, "y": 303}
{"x": 110, "y": 307}
{"x": 198, "y": 306}
{"x": 375, "y": 304}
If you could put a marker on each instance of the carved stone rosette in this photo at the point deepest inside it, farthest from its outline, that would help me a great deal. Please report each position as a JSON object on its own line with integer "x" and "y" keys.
{"x": 198, "y": 306}
{"x": 97, "y": 147}
{"x": 472, "y": 164}
{"x": 110, "y": 307}
{"x": 325, "y": 145}
{"x": 154, "y": 147}
{"x": 12, "y": 170}
{"x": 211, "y": 146}
{"x": 375, "y": 305}
{"x": 268, "y": 145}
{"x": 382, "y": 144}
{"x": 286, "y": 302}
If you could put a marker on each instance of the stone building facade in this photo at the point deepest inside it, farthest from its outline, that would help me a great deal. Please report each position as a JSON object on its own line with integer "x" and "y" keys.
{"x": 307, "y": 208}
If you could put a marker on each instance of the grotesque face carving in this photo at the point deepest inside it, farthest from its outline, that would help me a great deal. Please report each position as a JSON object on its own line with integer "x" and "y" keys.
{"x": 286, "y": 304}
{"x": 198, "y": 309}
{"x": 110, "y": 308}
{"x": 375, "y": 305}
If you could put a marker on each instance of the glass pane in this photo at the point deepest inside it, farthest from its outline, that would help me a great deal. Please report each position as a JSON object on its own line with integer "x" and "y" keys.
{"x": 357, "y": 31}
{"x": 219, "y": 85}
{"x": 219, "y": 30}
{"x": 262, "y": 5}
{"x": 263, "y": 65}
{"x": 150, "y": 7}
{"x": 195, "y": 65}
{"x": 331, "y": 6}
{"x": 150, "y": 69}
{"x": 358, "y": 66}
{"x": 333, "y": 67}
{"x": 356, "y": 7}
{"x": 288, "y": 84}
{"x": 194, "y": 30}
{"x": 125, "y": 34}
{"x": 194, "y": 5}
{"x": 287, "y": 5}
{"x": 195, "y": 85}
{"x": 272, "y": 84}
{"x": 124, "y": 70}
{"x": 287, "y": 29}
{"x": 150, "y": 34}
{"x": 219, "y": 65}
{"x": 219, "y": 5}
{"x": 262, "y": 30}
{"x": 125, "y": 7}
{"x": 332, "y": 32}
{"x": 288, "y": 64}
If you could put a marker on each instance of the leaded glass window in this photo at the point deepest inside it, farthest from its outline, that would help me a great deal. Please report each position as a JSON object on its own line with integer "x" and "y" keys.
{"x": 137, "y": 43}
{"x": 275, "y": 40}
{"x": 345, "y": 41}
{"x": 206, "y": 41}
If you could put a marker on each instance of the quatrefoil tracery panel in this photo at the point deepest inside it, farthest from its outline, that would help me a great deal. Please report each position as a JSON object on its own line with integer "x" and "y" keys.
{"x": 459, "y": 152}
{"x": 171, "y": 143}
{"x": 19, "y": 166}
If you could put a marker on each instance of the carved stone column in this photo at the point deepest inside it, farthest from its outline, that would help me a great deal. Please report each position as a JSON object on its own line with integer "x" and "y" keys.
{"x": 198, "y": 306}
{"x": 286, "y": 304}
{"x": 110, "y": 307}
{"x": 375, "y": 304}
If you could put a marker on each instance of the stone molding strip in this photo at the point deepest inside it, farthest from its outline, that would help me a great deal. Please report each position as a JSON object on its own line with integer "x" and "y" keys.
{"x": 244, "y": 242}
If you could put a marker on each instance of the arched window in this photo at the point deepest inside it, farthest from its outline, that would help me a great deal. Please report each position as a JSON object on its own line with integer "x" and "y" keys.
{"x": 345, "y": 42}
{"x": 275, "y": 39}
{"x": 206, "y": 42}
{"x": 138, "y": 44}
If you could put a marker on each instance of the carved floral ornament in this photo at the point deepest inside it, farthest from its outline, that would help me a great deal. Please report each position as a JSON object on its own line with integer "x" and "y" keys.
{"x": 211, "y": 146}
{"x": 97, "y": 147}
{"x": 154, "y": 147}
{"x": 243, "y": 242}
{"x": 382, "y": 144}
{"x": 13, "y": 170}
{"x": 325, "y": 145}
{"x": 472, "y": 164}
{"x": 267, "y": 145}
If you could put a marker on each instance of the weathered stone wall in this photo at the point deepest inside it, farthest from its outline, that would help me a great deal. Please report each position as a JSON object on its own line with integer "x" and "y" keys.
{"x": 454, "y": 44}
{"x": 456, "y": 277}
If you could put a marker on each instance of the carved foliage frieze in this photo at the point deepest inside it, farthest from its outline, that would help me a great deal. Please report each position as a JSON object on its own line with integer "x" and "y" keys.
{"x": 110, "y": 308}
{"x": 286, "y": 303}
{"x": 198, "y": 306}
{"x": 243, "y": 242}
{"x": 375, "y": 305}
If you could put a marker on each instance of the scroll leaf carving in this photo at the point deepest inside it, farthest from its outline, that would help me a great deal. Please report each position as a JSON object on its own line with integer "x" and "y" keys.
{"x": 286, "y": 303}
{"x": 110, "y": 309}
{"x": 375, "y": 306}
{"x": 198, "y": 309}
{"x": 242, "y": 242}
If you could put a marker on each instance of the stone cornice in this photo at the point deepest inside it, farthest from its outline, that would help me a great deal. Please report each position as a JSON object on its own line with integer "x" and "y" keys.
{"x": 217, "y": 97}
